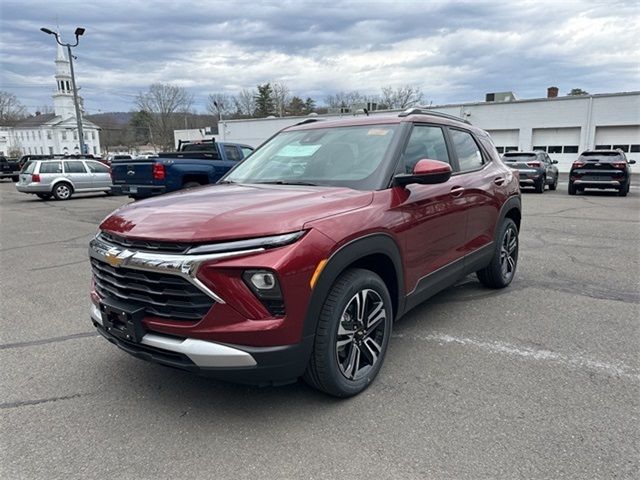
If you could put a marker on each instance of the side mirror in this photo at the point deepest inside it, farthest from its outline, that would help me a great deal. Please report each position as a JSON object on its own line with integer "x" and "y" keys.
{"x": 632, "y": 162}
{"x": 555, "y": 162}
{"x": 426, "y": 172}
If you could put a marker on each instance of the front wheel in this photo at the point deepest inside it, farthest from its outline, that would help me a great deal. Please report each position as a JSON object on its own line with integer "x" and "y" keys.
{"x": 554, "y": 185}
{"x": 352, "y": 334}
{"x": 43, "y": 196}
{"x": 539, "y": 185}
{"x": 500, "y": 272}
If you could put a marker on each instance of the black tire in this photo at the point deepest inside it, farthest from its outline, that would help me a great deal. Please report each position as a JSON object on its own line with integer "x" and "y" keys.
{"x": 43, "y": 196}
{"x": 62, "y": 191}
{"x": 624, "y": 190}
{"x": 15, "y": 179}
{"x": 572, "y": 188}
{"x": 540, "y": 184}
{"x": 191, "y": 185}
{"x": 500, "y": 272}
{"x": 554, "y": 185}
{"x": 329, "y": 367}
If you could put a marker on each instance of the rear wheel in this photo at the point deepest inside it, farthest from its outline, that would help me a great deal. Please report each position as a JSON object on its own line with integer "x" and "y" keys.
{"x": 15, "y": 179}
{"x": 554, "y": 185}
{"x": 572, "y": 188}
{"x": 500, "y": 272}
{"x": 539, "y": 185}
{"x": 62, "y": 191}
{"x": 352, "y": 334}
{"x": 191, "y": 185}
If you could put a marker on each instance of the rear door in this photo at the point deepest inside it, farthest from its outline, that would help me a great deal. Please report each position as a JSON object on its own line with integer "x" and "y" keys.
{"x": 49, "y": 171}
{"x": 100, "y": 174}
{"x": 75, "y": 171}
{"x": 481, "y": 180}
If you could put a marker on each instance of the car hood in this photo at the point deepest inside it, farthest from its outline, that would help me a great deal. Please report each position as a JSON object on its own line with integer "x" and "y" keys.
{"x": 223, "y": 212}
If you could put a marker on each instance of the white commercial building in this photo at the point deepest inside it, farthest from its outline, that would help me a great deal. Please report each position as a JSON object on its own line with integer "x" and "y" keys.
{"x": 561, "y": 126}
{"x": 52, "y": 133}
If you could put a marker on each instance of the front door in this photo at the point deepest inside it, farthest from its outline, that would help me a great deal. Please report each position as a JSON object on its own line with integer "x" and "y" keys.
{"x": 434, "y": 233}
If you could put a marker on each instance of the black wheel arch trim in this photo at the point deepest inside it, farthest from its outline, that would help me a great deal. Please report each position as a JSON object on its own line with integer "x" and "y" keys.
{"x": 377, "y": 243}
{"x": 512, "y": 202}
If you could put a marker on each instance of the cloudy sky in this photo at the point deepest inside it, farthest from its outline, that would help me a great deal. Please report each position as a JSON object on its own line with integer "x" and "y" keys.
{"x": 455, "y": 51}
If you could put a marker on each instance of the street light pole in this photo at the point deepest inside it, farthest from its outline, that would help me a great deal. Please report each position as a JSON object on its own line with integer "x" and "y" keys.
{"x": 79, "y": 31}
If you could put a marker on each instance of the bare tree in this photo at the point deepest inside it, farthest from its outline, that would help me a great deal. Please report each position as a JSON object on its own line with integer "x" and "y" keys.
{"x": 168, "y": 107}
{"x": 45, "y": 109}
{"x": 221, "y": 104}
{"x": 11, "y": 110}
{"x": 401, "y": 97}
{"x": 281, "y": 97}
{"x": 245, "y": 103}
{"x": 344, "y": 99}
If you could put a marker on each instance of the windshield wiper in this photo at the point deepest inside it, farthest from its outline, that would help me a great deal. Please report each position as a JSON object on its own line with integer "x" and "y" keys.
{"x": 226, "y": 182}
{"x": 287, "y": 182}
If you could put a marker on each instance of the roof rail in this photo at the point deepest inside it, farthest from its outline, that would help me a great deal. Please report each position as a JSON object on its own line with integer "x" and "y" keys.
{"x": 427, "y": 111}
{"x": 308, "y": 120}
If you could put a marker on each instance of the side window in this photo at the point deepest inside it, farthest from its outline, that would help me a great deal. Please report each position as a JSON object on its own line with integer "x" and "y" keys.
{"x": 232, "y": 153}
{"x": 74, "y": 167}
{"x": 424, "y": 142}
{"x": 97, "y": 167}
{"x": 246, "y": 151}
{"x": 51, "y": 167}
{"x": 469, "y": 155}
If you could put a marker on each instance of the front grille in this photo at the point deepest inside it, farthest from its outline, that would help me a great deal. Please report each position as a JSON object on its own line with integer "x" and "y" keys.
{"x": 161, "y": 295}
{"x": 168, "y": 247}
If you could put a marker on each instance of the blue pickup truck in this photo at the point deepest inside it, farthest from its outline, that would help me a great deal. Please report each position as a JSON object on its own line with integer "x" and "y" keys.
{"x": 194, "y": 164}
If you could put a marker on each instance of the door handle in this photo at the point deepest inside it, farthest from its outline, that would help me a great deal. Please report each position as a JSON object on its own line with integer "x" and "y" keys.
{"x": 457, "y": 191}
{"x": 499, "y": 180}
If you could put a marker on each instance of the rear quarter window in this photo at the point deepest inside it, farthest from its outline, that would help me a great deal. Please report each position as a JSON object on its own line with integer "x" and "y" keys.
{"x": 51, "y": 167}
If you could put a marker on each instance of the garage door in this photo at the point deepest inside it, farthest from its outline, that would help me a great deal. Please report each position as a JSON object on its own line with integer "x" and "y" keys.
{"x": 556, "y": 140}
{"x": 505, "y": 140}
{"x": 627, "y": 138}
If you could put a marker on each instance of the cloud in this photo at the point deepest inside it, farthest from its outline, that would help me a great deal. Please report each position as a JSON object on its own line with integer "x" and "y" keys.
{"x": 456, "y": 51}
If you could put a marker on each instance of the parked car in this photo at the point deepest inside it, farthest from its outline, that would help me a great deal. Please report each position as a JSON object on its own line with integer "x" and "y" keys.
{"x": 194, "y": 164}
{"x": 9, "y": 168}
{"x": 536, "y": 169}
{"x": 299, "y": 260}
{"x": 601, "y": 169}
{"x": 62, "y": 178}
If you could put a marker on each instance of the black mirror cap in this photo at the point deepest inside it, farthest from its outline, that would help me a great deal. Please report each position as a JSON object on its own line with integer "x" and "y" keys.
{"x": 632, "y": 162}
{"x": 403, "y": 179}
{"x": 555, "y": 162}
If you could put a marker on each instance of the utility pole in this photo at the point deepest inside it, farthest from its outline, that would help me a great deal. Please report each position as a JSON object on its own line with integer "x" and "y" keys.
{"x": 78, "y": 33}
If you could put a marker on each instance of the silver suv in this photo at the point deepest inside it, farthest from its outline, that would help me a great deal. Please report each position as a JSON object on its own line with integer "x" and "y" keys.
{"x": 62, "y": 178}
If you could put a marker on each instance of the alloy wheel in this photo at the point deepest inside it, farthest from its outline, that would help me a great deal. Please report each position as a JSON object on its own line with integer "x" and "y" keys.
{"x": 63, "y": 192}
{"x": 509, "y": 253}
{"x": 361, "y": 334}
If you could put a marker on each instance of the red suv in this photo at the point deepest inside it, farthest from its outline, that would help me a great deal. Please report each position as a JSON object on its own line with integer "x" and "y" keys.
{"x": 300, "y": 259}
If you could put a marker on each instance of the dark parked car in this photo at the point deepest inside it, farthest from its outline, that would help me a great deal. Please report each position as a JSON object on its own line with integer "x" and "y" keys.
{"x": 601, "y": 169}
{"x": 536, "y": 169}
{"x": 299, "y": 261}
{"x": 9, "y": 168}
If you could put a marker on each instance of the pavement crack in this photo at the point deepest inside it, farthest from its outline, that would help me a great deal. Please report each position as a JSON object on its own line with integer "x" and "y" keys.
{"x": 25, "y": 403}
{"x": 44, "y": 341}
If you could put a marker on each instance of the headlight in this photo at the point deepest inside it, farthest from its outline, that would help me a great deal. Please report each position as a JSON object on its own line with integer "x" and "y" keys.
{"x": 261, "y": 242}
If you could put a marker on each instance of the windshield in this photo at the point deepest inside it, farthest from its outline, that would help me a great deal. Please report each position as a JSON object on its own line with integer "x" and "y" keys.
{"x": 343, "y": 157}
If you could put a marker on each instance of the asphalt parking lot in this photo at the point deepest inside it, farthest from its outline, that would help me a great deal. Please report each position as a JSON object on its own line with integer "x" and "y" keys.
{"x": 541, "y": 380}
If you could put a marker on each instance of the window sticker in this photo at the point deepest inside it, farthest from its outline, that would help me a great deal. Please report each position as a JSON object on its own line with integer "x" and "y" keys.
{"x": 298, "y": 150}
{"x": 378, "y": 132}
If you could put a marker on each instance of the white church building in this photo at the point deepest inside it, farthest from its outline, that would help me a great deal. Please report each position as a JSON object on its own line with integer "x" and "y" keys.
{"x": 53, "y": 133}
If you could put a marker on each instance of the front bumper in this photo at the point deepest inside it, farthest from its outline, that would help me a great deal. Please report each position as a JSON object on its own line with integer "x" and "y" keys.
{"x": 138, "y": 190}
{"x": 239, "y": 364}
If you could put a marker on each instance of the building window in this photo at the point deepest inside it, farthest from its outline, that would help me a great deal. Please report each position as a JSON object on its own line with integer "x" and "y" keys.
{"x": 510, "y": 149}
{"x": 603, "y": 147}
{"x": 39, "y": 134}
{"x": 540, "y": 148}
{"x": 50, "y": 150}
{"x": 95, "y": 150}
{"x": 570, "y": 149}
{"x": 500, "y": 149}
{"x": 75, "y": 135}
{"x": 554, "y": 149}
{"x": 41, "y": 151}
{"x": 48, "y": 134}
{"x": 634, "y": 148}
{"x": 624, "y": 148}
{"x": 64, "y": 135}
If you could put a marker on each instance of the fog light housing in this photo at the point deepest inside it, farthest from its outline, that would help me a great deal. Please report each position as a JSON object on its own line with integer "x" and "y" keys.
{"x": 264, "y": 285}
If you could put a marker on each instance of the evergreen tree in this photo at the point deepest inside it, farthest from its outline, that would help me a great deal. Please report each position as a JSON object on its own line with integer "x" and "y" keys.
{"x": 264, "y": 101}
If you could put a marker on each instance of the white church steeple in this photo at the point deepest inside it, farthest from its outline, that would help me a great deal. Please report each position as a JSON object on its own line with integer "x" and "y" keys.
{"x": 63, "y": 97}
